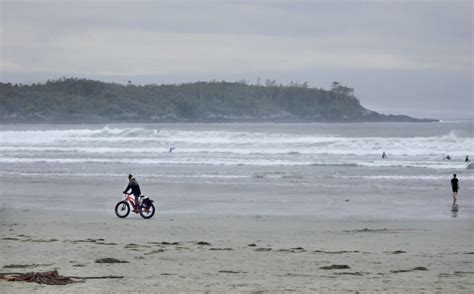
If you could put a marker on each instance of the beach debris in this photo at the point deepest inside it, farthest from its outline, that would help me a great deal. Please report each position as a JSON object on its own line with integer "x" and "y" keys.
{"x": 396, "y": 252}
{"x": 154, "y": 251}
{"x": 106, "y": 243}
{"x": 96, "y": 277}
{"x": 285, "y": 250}
{"x": 335, "y": 266}
{"x": 110, "y": 260}
{"x": 135, "y": 246}
{"x": 258, "y": 292}
{"x": 203, "y": 243}
{"x": 294, "y": 250}
{"x": 349, "y": 273}
{"x": 11, "y": 239}
{"x": 29, "y": 239}
{"x": 88, "y": 240}
{"x": 48, "y": 278}
{"x": 263, "y": 249}
{"x": 462, "y": 273}
{"x": 41, "y": 240}
{"x": 336, "y": 252}
{"x": 418, "y": 268}
{"x": 164, "y": 243}
{"x": 295, "y": 275}
{"x": 367, "y": 230}
{"x": 169, "y": 243}
{"x": 25, "y": 265}
{"x": 231, "y": 272}
{"x": 223, "y": 249}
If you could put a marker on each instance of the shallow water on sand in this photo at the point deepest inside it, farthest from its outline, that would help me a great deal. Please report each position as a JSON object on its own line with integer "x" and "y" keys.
{"x": 327, "y": 170}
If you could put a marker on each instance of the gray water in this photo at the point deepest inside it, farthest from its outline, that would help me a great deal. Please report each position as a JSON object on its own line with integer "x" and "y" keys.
{"x": 327, "y": 170}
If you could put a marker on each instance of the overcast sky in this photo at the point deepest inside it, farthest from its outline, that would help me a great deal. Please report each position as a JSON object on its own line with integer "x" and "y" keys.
{"x": 401, "y": 57}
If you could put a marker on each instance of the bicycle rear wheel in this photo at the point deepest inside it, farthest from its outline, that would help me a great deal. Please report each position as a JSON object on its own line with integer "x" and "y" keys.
{"x": 148, "y": 212}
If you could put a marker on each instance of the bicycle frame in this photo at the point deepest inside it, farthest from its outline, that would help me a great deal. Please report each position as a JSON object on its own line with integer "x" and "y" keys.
{"x": 130, "y": 198}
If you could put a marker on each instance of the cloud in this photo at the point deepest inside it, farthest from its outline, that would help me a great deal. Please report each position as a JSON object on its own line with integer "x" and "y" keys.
{"x": 206, "y": 39}
{"x": 134, "y": 52}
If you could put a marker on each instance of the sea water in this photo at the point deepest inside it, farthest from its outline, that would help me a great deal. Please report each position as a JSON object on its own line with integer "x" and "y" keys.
{"x": 324, "y": 169}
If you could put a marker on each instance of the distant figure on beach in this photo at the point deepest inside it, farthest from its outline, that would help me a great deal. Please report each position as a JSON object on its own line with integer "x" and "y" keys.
{"x": 447, "y": 157}
{"x": 171, "y": 149}
{"x": 455, "y": 187}
{"x": 467, "y": 158}
{"x": 135, "y": 187}
{"x": 384, "y": 155}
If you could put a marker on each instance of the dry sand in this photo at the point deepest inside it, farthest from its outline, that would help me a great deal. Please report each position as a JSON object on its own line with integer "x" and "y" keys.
{"x": 236, "y": 254}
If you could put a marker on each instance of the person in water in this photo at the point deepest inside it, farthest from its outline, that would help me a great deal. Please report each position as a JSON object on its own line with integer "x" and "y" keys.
{"x": 447, "y": 157}
{"x": 455, "y": 187}
{"x": 135, "y": 187}
{"x": 384, "y": 155}
{"x": 467, "y": 158}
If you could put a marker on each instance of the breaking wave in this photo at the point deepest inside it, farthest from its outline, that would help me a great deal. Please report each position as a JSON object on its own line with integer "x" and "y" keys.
{"x": 148, "y": 145}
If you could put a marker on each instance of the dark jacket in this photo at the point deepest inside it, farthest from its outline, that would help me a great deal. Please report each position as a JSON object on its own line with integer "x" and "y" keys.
{"x": 454, "y": 183}
{"x": 133, "y": 184}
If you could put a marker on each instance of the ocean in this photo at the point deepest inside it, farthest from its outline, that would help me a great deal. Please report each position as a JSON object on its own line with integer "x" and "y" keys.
{"x": 328, "y": 170}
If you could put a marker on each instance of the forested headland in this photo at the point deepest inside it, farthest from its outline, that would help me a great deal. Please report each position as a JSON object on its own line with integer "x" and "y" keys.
{"x": 82, "y": 100}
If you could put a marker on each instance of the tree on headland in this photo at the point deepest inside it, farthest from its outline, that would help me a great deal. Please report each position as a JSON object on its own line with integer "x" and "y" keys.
{"x": 338, "y": 88}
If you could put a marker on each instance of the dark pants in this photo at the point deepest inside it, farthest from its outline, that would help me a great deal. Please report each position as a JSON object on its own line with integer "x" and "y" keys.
{"x": 137, "y": 202}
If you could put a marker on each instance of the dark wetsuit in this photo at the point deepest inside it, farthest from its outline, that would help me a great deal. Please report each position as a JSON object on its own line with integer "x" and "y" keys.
{"x": 133, "y": 184}
{"x": 454, "y": 184}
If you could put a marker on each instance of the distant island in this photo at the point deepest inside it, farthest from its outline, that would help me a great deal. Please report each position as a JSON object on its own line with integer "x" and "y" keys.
{"x": 73, "y": 100}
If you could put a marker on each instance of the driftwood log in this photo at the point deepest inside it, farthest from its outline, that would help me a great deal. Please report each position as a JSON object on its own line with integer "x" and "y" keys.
{"x": 49, "y": 278}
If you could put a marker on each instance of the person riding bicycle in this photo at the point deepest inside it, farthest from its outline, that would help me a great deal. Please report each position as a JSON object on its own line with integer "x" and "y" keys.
{"x": 133, "y": 185}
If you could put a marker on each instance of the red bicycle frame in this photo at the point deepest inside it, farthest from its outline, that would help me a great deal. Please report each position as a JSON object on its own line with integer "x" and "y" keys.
{"x": 131, "y": 199}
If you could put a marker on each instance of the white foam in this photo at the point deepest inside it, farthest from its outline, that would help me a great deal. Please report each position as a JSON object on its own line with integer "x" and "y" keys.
{"x": 149, "y": 146}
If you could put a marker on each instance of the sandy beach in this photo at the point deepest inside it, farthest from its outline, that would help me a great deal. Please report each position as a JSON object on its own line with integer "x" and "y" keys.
{"x": 236, "y": 254}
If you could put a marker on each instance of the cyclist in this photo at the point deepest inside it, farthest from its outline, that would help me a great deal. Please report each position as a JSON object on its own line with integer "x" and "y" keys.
{"x": 135, "y": 187}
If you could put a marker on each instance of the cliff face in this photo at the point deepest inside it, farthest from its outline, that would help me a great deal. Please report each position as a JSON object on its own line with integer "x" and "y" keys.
{"x": 79, "y": 100}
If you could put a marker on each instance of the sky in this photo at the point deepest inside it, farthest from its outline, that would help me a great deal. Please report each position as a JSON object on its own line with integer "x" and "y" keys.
{"x": 401, "y": 57}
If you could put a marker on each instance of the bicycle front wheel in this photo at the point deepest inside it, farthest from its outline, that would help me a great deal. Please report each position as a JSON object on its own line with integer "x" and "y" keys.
{"x": 122, "y": 209}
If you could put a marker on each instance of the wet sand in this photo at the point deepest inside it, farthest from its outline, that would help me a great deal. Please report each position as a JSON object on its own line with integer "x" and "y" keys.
{"x": 237, "y": 254}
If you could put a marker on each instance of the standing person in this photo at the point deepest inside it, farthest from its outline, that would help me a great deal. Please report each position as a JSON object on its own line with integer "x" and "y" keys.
{"x": 384, "y": 155}
{"x": 467, "y": 158}
{"x": 455, "y": 187}
{"x": 135, "y": 187}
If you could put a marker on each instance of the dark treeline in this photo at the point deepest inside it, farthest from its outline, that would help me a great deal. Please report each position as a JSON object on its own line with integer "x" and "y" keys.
{"x": 82, "y": 100}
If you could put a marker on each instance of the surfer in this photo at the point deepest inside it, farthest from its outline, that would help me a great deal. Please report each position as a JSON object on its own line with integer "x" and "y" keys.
{"x": 467, "y": 158}
{"x": 171, "y": 149}
{"x": 455, "y": 187}
{"x": 447, "y": 157}
{"x": 384, "y": 155}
